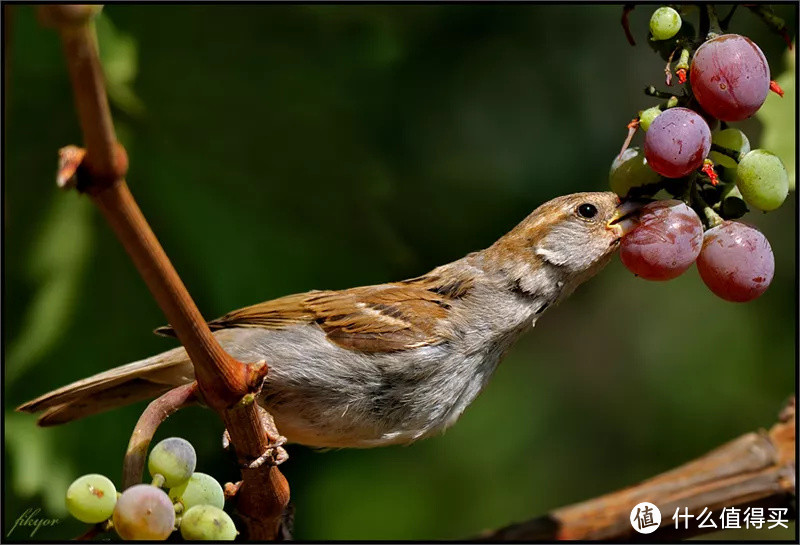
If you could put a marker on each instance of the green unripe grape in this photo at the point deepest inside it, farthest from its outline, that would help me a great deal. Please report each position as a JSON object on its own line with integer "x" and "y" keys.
{"x": 666, "y": 48}
{"x": 762, "y": 179}
{"x": 91, "y": 498}
{"x": 647, "y": 116}
{"x": 200, "y": 489}
{"x": 664, "y": 23}
{"x": 734, "y": 140}
{"x": 207, "y": 523}
{"x": 175, "y": 459}
{"x": 629, "y": 170}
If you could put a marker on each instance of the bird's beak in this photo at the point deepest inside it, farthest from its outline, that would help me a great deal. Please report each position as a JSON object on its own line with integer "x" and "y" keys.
{"x": 626, "y": 217}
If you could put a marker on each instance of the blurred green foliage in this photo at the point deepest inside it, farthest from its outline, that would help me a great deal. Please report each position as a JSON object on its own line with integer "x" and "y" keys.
{"x": 778, "y": 115}
{"x": 276, "y": 149}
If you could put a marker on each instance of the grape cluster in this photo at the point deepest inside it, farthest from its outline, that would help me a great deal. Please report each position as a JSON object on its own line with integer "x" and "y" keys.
{"x": 192, "y": 504}
{"x": 701, "y": 170}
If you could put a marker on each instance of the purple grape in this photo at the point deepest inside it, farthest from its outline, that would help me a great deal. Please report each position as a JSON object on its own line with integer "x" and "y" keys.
{"x": 144, "y": 512}
{"x": 730, "y": 77}
{"x": 665, "y": 243}
{"x": 736, "y": 262}
{"x": 677, "y": 142}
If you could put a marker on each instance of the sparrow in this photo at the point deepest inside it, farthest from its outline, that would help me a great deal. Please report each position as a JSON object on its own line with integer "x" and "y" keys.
{"x": 390, "y": 363}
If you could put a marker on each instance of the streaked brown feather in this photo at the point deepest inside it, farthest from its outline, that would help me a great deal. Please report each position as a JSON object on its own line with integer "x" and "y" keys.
{"x": 382, "y": 318}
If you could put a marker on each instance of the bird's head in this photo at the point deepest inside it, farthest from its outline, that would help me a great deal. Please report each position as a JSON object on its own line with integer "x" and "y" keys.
{"x": 574, "y": 235}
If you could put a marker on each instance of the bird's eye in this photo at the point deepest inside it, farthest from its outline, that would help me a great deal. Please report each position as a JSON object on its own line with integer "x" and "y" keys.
{"x": 587, "y": 210}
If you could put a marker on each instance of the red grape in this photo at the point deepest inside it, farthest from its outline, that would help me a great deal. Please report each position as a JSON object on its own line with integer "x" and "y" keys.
{"x": 677, "y": 142}
{"x": 730, "y": 77}
{"x": 665, "y": 243}
{"x": 736, "y": 262}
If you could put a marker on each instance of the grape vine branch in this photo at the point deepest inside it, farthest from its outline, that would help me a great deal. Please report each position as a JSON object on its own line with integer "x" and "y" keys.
{"x": 227, "y": 386}
{"x": 756, "y": 469}
{"x": 156, "y": 412}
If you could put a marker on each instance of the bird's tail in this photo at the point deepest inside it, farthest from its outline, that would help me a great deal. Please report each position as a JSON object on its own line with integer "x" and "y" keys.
{"x": 116, "y": 387}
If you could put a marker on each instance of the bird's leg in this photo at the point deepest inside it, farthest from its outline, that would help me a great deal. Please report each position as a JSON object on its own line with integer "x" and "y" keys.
{"x": 275, "y": 454}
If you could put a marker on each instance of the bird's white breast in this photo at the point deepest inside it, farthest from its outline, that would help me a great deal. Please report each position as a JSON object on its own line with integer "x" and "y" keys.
{"x": 323, "y": 395}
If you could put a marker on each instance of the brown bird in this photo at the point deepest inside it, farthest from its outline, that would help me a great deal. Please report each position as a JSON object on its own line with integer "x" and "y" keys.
{"x": 391, "y": 363}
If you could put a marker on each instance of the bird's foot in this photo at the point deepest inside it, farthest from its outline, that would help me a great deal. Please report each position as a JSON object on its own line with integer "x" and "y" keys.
{"x": 275, "y": 454}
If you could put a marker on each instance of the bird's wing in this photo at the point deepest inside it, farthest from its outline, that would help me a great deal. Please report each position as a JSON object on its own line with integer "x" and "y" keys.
{"x": 382, "y": 318}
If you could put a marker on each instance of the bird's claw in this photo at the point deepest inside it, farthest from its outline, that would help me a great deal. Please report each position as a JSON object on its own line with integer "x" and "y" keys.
{"x": 275, "y": 454}
{"x": 276, "y": 451}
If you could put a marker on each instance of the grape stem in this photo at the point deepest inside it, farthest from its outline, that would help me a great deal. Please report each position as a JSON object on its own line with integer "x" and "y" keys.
{"x": 733, "y": 154}
{"x": 683, "y": 61}
{"x": 668, "y": 69}
{"x": 714, "y": 29}
{"x": 724, "y": 23}
{"x": 682, "y": 66}
{"x": 709, "y": 217}
{"x": 626, "y": 27}
{"x": 632, "y": 127}
{"x": 775, "y": 23}
{"x": 653, "y": 92}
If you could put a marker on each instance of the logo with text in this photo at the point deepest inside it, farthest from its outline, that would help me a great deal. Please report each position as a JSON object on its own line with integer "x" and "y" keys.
{"x": 645, "y": 517}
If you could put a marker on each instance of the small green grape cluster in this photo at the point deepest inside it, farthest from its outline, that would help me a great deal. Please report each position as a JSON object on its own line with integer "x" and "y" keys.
{"x": 193, "y": 502}
{"x": 692, "y": 154}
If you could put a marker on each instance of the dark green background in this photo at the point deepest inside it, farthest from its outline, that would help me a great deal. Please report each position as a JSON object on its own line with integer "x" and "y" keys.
{"x": 276, "y": 149}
